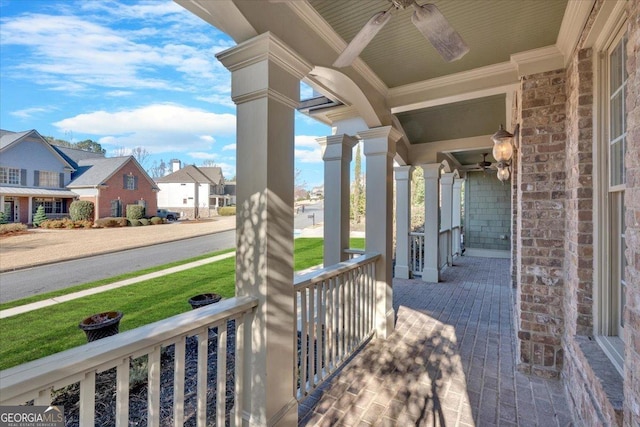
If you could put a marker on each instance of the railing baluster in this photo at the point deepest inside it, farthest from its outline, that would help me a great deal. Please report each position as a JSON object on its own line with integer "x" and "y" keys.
{"x": 312, "y": 341}
{"x": 122, "y": 393}
{"x": 203, "y": 352}
{"x": 241, "y": 329}
{"x": 153, "y": 389}
{"x": 317, "y": 354}
{"x": 303, "y": 341}
{"x": 43, "y": 398}
{"x": 221, "y": 383}
{"x": 178, "y": 381}
{"x": 88, "y": 399}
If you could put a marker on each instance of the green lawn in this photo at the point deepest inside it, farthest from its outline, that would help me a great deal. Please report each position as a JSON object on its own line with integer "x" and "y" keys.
{"x": 42, "y": 332}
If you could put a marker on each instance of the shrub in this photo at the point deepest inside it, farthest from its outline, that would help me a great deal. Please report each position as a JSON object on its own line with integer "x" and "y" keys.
{"x": 65, "y": 223}
{"x": 3, "y": 218}
{"x": 144, "y": 221}
{"x": 227, "y": 211}
{"x": 134, "y": 222}
{"x": 40, "y": 216}
{"x": 155, "y": 220}
{"x": 12, "y": 228}
{"x": 108, "y": 221}
{"x": 135, "y": 211}
{"x": 81, "y": 210}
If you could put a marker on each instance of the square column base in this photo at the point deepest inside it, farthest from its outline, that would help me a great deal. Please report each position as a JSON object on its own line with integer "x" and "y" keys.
{"x": 402, "y": 272}
{"x": 430, "y": 275}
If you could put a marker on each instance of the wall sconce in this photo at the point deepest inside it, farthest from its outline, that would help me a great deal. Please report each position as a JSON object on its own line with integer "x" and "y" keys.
{"x": 503, "y": 151}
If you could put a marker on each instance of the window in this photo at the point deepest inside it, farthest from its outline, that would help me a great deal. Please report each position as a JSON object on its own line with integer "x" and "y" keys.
{"x": 51, "y": 206}
{"x": 9, "y": 176}
{"x": 613, "y": 284}
{"x": 130, "y": 182}
{"x": 49, "y": 179}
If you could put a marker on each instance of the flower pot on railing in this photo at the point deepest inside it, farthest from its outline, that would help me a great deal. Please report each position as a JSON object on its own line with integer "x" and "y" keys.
{"x": 204, "y": 299}
{"x": 101, "y": 325}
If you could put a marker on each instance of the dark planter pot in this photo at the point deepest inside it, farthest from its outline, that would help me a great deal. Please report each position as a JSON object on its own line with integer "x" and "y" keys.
{"x": 203, "y": 299}
{"x": 101, "y": 325}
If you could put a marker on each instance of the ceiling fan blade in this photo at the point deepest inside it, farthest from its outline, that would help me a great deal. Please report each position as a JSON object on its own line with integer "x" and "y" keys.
{"x": 362, "y": 39}
{"x": 435, "y": 27}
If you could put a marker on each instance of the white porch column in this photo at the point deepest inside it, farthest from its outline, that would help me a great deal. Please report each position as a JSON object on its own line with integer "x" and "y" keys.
{"x": 265, "y": 86}
{"x": 403, "y": 220}
{"x": 446, "y": 185}
{"x": 379, "y": 148}
{"x": 456, "y": 212}
{"x": 337, "y": 153}
{"x": 2, "y": 203}
{"x": 431, "y": 272}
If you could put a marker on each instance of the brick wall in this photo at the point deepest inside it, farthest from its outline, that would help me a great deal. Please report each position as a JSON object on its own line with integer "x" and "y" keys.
{"x": 487, "y": 212}
{"x": 541, "y": 224}
{"x": 579, "y": 196}
{"x": 632, "y": 201}
{"x": 114, "y": 191}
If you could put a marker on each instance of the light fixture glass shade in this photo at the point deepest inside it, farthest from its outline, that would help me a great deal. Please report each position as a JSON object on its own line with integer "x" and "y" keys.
{"x": 503, "y": 174}
{"x": 502, "y": 148}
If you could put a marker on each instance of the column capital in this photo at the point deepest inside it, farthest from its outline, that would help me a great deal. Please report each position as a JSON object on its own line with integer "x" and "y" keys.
{"x": 447, "y": 178}
{"x": 380, "y": 140}
{"x": 380, "y": 132}
{"x": 431, "y": 170}
{"x": 266, "y": 46}
{"x": 259, "y": 67}
{"x": 402, "y": 173}
{"x": 457, "y": 183}
{"x": 337, "y": 147}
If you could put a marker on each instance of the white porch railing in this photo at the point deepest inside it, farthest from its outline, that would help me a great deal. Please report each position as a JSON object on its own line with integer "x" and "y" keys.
{"x": 354, "y": 253}
{"x": 444, "y": 248}
{"x": 416, "y": 253}
{"x": 35, "y": 381}
{"x": 336, "y": 308}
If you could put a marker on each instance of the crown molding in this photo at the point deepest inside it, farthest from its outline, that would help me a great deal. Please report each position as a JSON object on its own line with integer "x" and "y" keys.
{"x": 575, "y": 17}
{"x": 223, "y": 15}
{"x": 538, "y": 60}
{"x": 477, "y": 83}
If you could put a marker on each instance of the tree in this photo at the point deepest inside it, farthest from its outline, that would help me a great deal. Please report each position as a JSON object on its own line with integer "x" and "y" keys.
{"x": 90, "y": 145}
{"x": 40, "y": 216}
{"x": 300, "y": 186}
{"x": 140, "y": 154}
{"x": 209, "y": 164}
{"x": 357, "y": 194}
{"x": 158, "y": 170}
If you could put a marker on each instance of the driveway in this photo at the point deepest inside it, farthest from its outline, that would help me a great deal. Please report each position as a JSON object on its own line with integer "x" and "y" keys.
{"x": 38, "y": 246}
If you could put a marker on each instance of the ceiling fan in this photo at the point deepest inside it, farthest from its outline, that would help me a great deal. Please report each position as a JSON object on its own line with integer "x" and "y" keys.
{"x": 484, "y": 164}
{"x": 427, "y": 18}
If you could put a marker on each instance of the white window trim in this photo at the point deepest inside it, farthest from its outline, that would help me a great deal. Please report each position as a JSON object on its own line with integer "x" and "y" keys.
{"x": 611, "y": 32}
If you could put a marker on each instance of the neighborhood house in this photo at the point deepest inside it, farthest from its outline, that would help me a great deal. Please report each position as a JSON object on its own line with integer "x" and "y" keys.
{"x": 34, "y": 172}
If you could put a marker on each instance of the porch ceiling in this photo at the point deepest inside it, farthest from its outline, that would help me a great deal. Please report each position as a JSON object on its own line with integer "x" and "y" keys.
{"x": 399, "y": 78}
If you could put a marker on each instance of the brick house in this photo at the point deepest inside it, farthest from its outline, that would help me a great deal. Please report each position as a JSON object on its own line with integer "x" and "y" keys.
{"x": 111, "y": 183}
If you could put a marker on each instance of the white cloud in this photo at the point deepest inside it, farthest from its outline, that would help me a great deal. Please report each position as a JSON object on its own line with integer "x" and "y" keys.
{"x": 27, "y": 113}
{"x": 208, "y": 138}
{"x": 158, "y": 127}
{"x": 306, "y": 141}
{"x": 203, "y": 155}
{"x": 119, "y": 93}
{"x": 74, "y": 51}
{"x": 229, "y": 147}
{"x": 308, "y": 156}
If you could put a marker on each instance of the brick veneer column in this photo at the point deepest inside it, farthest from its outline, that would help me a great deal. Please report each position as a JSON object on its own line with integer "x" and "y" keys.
{"x": 579, "y": 196}
{"x": 541, "y": 227}
{"x": 632, "y": 201}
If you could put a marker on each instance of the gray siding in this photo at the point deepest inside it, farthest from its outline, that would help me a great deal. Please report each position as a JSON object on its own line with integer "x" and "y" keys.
{"x": 487, "y": 212}
{"x": 33, "y": 156}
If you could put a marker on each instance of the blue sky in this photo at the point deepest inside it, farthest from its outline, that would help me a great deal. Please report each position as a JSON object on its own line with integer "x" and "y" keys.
{"x": 127, "y": 74}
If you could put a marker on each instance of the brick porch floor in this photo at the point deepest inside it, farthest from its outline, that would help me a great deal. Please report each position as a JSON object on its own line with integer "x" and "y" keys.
{"x": 449, "y": 362}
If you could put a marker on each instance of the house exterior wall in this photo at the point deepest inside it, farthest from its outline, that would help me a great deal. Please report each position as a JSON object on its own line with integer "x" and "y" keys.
{"x": 487, "y": 215}
{"x": 180, "y": 197}
{"x": 632, "y": 201}
{"x": 557, "y": 304}
{"x": 33, "y": 155}
{"x": 114, "y": 190}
